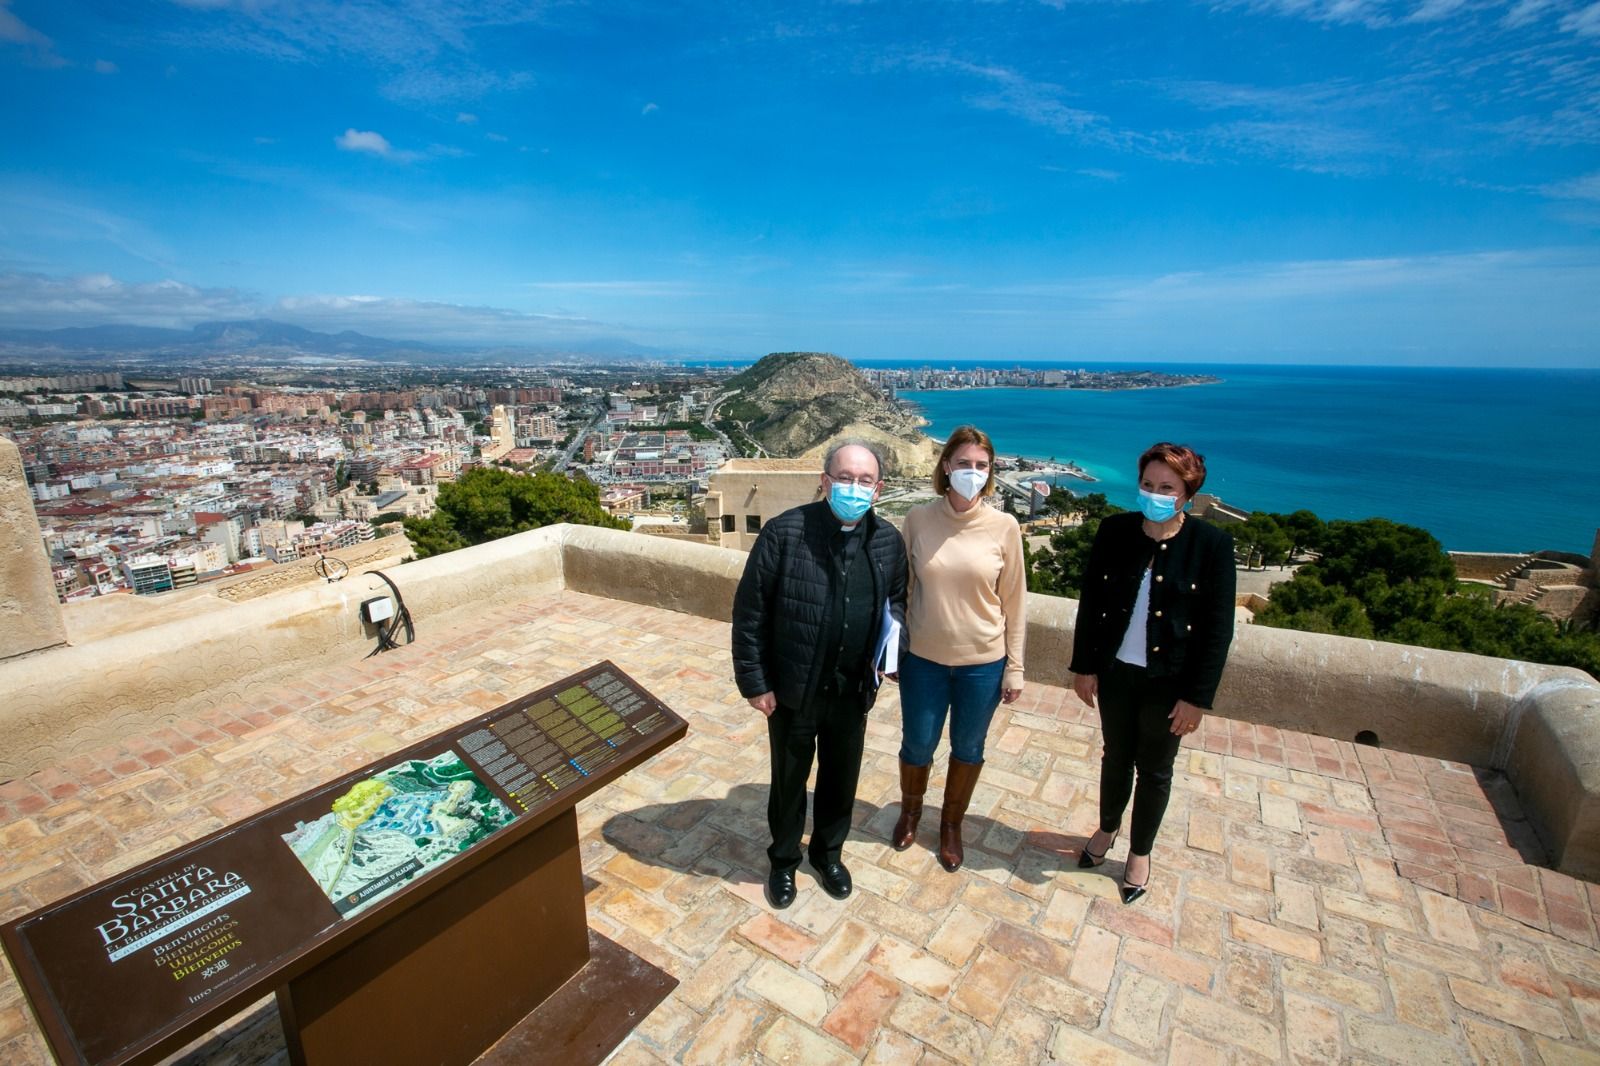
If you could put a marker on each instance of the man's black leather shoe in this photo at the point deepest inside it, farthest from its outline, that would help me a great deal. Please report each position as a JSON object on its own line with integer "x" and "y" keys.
{"x": 780, "y": 889}
{"x": 835, "y": 879}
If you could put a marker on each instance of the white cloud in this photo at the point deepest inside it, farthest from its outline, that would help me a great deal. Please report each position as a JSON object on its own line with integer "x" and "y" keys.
{"x": 1038, "y": 102}
{"x": 1384, "y": 14}
{"x": 1585, "y": 23}
{"x": 1328, "y": 127}
{"x": 649, "y": 108}
{"x": 105, "y": 66}
{"x": 1436, "y": 10}
{"x": 1099, "y": 174}
{"x": 1320, "y": 128}
{"x": 1526, "y": 11}
{"x": 15, "y": 31}
{"x": 1235, "y": 289}
{"x": 44, "y": 216}
{"x": 430, "y": 320}
{"x": 650, "y": 289}
{"x": 499, "y": 138}
{"x": 464, "y": 82}
{"x": 420, "y": 51}
{"x": 1586, "y": 187}
{"x": 1501, "y": 307}
{"x": 354, "y": 140}
{"x": 1315, "y": 147}
{"x": 1370, "y": 13}
{"x": 39, "y": 301}
{"x": 466, "y": 118}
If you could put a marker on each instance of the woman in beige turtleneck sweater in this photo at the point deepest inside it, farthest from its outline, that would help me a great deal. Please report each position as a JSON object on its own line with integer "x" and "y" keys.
{"x": 967, "y": 622}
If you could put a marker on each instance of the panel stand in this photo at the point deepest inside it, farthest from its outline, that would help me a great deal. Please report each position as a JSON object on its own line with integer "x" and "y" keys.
{"x": 469, "y": 965}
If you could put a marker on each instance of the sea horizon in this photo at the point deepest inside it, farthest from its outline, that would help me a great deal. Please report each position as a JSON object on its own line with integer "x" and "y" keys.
{"x": 1478, "y": 456}
{"x": 1186, "y": 366}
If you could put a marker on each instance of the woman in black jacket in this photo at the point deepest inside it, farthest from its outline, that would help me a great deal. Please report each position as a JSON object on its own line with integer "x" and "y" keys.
{"x": 1154, "y": 623}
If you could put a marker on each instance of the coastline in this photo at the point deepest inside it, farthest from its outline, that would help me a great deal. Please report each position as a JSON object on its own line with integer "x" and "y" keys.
{"x": 1047, "y": 468}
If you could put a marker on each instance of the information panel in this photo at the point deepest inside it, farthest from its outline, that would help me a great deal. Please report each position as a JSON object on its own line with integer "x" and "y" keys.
{"x": 533, "y": 752}
{"x": 179, "y": 938}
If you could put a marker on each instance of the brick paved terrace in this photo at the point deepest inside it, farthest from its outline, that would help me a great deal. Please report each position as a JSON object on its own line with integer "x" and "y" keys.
{"x": 1312, "y": 901}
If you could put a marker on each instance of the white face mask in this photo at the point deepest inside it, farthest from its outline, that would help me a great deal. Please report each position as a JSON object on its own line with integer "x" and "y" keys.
{"x": 969, "y": 482}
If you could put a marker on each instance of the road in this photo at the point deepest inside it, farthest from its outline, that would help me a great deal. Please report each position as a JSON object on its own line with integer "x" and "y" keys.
{"x": 710, "y": 422}
{"x": 577, "y": 442}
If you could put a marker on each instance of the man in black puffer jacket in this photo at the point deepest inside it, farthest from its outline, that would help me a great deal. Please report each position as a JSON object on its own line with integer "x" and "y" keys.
{"x": 807, "y": 620}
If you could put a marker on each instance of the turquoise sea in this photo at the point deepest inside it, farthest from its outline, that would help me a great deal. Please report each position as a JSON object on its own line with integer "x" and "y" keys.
{"x": 1487, "y": 460}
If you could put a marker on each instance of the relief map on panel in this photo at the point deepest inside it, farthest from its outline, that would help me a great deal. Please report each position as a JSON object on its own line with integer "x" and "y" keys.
{"x": 393, "y": 826}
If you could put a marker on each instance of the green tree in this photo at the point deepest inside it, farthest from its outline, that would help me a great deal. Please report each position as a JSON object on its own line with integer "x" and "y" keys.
{"x": 1305, "y": 529}
{"x": 1261, "y": 540}
{"x": 1306, "y": 604}
{"x": 1058, "y": 569}
{"x": 1390, "y": 604}
{"x": 488, "y": 503}
{"x": 1090, "y": 505}
{"x": 1377, "y": 578}
{"x": 1095, "y": 505}
{"x": 697, "y": 430}
{"x": 1353, "y": 550}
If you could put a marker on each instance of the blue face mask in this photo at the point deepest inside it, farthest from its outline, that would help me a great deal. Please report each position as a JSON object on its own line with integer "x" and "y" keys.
{"x": 849, "y": 500}
{"x": 1158, "y": 508}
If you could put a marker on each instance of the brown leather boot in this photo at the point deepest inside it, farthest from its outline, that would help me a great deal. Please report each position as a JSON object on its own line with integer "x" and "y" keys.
{"x": 958, "y": 786}
{"x": 913, "y": 783}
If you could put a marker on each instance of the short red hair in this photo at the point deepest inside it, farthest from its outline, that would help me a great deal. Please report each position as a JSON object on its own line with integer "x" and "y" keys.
{"x": 1187, "y": 463}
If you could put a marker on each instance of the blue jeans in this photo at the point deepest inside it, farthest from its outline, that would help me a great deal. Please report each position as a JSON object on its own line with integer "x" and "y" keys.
{"x": 928, "y": 690}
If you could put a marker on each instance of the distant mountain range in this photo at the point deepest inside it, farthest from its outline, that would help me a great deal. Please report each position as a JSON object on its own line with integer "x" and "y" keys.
{"x": 265, "y": 336}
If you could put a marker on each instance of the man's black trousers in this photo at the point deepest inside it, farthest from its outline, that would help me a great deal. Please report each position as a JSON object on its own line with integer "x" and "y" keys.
{"x": 832, "y": 731}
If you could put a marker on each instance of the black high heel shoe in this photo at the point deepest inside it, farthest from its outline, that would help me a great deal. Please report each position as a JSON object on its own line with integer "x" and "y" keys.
{"x": 1088, "y": 860}
{"x": 1131, "y": 891}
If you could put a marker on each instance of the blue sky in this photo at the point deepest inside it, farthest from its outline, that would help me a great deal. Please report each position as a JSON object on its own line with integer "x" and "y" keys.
{"x": 1317, "y": 181}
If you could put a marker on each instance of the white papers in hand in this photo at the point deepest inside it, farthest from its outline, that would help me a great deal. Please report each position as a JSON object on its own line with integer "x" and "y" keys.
{"x": 887, "y": 657}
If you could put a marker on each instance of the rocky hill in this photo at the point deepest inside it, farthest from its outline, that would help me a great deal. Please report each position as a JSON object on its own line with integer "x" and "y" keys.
{"x": 795, "y": 403}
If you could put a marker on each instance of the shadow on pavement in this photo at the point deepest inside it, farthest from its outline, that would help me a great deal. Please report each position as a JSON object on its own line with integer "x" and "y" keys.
{"x": 727, "y": 838}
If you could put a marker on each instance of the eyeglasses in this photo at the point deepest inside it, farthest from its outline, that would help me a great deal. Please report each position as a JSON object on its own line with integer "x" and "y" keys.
{"x": 864, "y": 482}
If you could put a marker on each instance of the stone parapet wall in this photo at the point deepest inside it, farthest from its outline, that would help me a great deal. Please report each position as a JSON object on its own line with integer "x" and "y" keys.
{"x": 1539, "y": 723}
{"x": 1554, "y": 762}
{"x": 386, "y": 549}
{"x": 1486, "y": 566}
{"x": 1570, "y": 603}
{"x": 1562, "y": 578}
{"x": 30, "y": 614}
{"x": 695, "y": 578}
{"x": 72, "y": 700}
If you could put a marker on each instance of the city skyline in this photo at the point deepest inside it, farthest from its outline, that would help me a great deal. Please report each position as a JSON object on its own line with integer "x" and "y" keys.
{"x": 1255, "y": 181}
